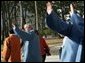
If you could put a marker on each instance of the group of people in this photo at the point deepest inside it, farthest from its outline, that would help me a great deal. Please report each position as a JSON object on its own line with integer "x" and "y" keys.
{"x": 73, "y": 42}
{"x": 27, "y": 43}
{"x": 34, "y": 47}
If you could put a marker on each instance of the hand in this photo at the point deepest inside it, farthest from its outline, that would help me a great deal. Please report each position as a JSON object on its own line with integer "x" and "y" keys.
{"x": 13, "y": 24}
{"x": 71, "y": 8}
{"x": 49, "y": 8}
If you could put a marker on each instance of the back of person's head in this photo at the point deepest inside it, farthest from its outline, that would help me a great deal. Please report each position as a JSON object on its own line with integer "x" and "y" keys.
{"x": 11, "y": 31}
{"x": 28, "y": 27}
{"x": 36, "y": 31}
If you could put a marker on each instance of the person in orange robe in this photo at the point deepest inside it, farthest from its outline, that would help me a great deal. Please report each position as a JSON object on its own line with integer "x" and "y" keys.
{"x": 45, "y": 50}
{"x": 12, "y": 48}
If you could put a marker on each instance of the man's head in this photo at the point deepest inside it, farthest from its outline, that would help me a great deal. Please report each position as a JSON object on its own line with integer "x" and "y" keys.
{"x": 28, "y": 27}
{"x": 48, "y": 3}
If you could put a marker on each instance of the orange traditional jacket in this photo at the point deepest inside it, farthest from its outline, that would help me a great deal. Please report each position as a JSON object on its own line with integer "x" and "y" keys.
{"x": 44, "y": 47}
{"x": 12, "y": 49}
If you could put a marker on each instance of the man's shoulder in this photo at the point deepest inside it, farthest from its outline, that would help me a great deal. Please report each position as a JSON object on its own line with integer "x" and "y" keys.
{"x": 13, "y": 36}
{"x": 6, "y": 40}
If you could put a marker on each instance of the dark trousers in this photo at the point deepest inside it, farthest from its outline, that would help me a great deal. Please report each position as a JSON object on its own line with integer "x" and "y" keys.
{"x": 60, "y": 50}
{"x": 43, "y": 57}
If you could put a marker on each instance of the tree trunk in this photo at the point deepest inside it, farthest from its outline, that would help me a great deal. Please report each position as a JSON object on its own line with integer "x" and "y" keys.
{"x": 20, "y": 13}
{"x": 36, "y": 15}
{"x": 3, "y": 31}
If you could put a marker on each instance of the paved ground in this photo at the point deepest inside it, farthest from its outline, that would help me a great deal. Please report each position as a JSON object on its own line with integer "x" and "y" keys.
{"x": 53, "y": 58}
{"x": 54, "y": 49}
{"x": 54, "y": 45}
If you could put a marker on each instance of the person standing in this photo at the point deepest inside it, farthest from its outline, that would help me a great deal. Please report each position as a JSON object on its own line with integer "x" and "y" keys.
{"x": 12, "y": 48}
{"x": 45, "y": 50}
{"x": 31, "y": 43}
{"x": 74, "y": 33}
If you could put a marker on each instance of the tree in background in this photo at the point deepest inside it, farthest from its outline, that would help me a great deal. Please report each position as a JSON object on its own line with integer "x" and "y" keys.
{"x": 24, "y": 12}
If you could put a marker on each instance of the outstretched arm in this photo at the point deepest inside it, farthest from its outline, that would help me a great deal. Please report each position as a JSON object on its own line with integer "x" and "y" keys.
{"x": 23, "y": 35}
{"x": 55, "y": 23}
{"x": 77, "y": 20}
